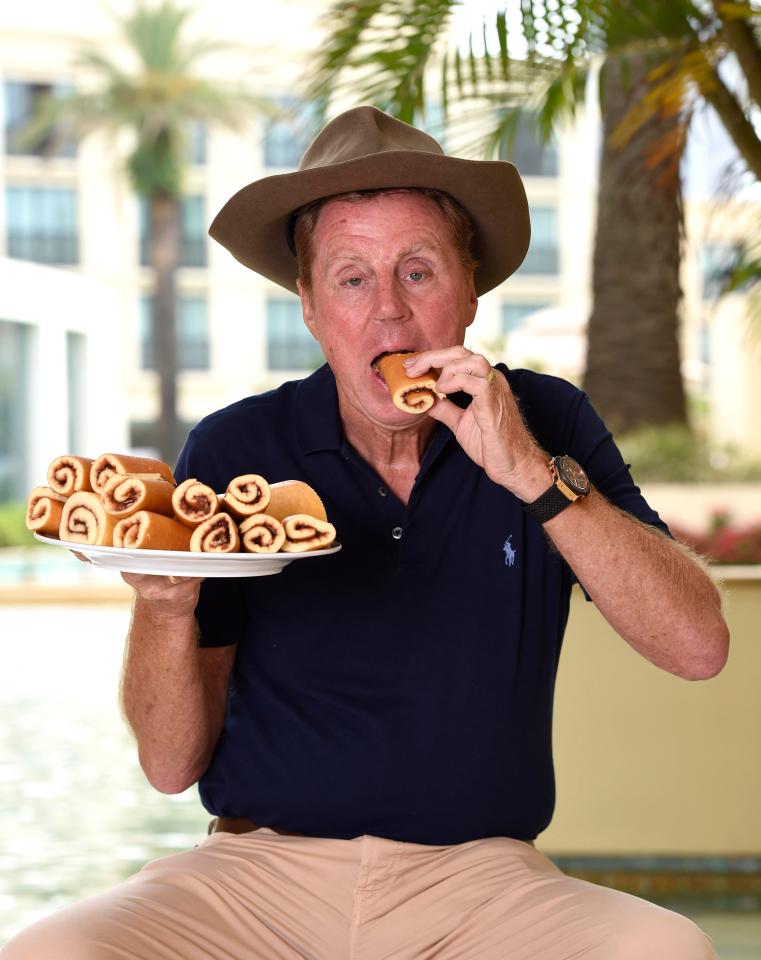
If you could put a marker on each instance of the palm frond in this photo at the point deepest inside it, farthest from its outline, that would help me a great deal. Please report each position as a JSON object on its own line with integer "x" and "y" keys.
{"x": 387, "y": 46}
{"x": 153, "y": 32}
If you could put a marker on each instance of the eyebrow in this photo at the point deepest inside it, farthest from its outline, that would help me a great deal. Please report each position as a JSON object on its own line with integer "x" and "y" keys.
{"x": 412, "y": 251}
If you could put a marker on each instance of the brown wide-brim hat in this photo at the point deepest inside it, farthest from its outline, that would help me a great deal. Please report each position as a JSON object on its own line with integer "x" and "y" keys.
{"x": 365, "y": 149}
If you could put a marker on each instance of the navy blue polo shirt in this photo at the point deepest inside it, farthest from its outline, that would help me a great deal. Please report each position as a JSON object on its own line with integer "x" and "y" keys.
{"x": 402, "y": 687}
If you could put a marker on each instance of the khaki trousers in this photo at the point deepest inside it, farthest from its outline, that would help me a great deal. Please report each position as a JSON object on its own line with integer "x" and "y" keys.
{"x": 264, "y": 895}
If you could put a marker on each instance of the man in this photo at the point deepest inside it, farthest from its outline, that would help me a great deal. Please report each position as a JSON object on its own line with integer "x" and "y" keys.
{"x": 371, "y": 730}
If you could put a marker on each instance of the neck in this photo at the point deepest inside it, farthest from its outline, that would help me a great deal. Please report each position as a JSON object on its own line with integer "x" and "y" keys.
{"x": 394, "y": 453}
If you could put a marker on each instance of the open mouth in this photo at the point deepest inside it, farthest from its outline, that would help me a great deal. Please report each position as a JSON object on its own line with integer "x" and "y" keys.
{"x": 375, "y": 363}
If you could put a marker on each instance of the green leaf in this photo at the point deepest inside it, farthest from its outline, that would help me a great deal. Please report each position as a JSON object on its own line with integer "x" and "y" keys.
{"x": 504, "y": 57}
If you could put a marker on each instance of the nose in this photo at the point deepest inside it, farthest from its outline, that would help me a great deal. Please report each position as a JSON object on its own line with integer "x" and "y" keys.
{"x": 390, "y": 302}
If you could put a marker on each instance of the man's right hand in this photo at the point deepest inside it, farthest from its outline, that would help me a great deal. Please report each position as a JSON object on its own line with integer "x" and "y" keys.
{"x": 179, "y": 594}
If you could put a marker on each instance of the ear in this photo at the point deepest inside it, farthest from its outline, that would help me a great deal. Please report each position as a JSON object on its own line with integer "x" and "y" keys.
{"x": 472, "y": 302}
{"x": 306, "y": 308}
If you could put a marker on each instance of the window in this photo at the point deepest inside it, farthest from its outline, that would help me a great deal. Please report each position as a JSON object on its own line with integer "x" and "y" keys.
{"x": 717, "y": 261}
{"x": 41, "y": 224}
{"x": 542, "y": 256}
{"x": 196, "y": 148}
{"x": 21, "y": 103}
{"x": 287, "y": 136}
{"x": 76, "y": 380}
{"x": 514, "y": 314}
{"x": 704, "y": 344}
{"x": 14, "y": 415}
{"x": 290, "y": 346}
{"x": 192, "y": 232}
{"x": 192, "y": 333}
{"x": 526, "y": 150}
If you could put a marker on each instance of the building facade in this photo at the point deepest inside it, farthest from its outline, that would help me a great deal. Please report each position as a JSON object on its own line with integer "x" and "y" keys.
{"x": 68, "y": 206}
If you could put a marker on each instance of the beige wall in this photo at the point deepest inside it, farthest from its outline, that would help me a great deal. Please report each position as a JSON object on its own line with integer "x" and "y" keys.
{"x": 649, "y": 763}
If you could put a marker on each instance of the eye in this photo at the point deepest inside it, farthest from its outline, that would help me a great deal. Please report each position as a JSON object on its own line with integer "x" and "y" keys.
{"x": 416, "y": 275}
{"x": 353, "y": 281}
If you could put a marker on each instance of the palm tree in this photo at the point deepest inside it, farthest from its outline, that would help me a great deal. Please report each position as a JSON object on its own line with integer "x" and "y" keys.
{"x": 157, "y": 100}
{"x": 659, "y": 59}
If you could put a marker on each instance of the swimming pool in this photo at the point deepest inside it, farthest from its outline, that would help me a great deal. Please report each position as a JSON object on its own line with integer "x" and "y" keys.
{"x": 49, "y": 565}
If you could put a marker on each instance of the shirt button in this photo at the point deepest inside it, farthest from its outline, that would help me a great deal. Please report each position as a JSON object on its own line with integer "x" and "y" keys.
{"x": 396, "y": 533}
{"x": 383, "y": 491}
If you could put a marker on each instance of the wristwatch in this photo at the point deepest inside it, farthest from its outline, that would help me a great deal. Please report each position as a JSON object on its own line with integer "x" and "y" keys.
{"x": 569, "y": 483}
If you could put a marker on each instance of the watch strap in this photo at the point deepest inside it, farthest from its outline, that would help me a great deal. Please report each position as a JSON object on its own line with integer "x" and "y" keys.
{"x": 548, "y": 505}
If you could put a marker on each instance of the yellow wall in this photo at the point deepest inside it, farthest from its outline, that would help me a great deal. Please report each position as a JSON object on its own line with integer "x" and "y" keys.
{"x": 649, "y": 763}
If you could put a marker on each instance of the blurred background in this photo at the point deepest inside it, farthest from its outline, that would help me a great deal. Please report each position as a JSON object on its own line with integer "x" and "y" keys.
{"x": 125, "y": 126}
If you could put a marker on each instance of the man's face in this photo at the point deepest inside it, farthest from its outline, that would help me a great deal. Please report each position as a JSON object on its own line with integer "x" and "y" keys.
{"x": 386, "y": 277}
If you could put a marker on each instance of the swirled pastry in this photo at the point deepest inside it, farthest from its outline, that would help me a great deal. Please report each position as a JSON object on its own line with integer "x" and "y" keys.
{"x": 193, "y": 502}
{"x": 67, "y": 474}
{"x": 261, "y": 534}
{"x": 303, "y": 533}
{"x": 84, "y": 520}
{"x": 411, "y": 394}
{"x": 246, "y": 495}
{"x": 151, "y": 531}
{"x": 124, "y": 496}
{"x": 44, "y": 510}
{"x": 110, "y": 463}
{"x": 218, "y": 534}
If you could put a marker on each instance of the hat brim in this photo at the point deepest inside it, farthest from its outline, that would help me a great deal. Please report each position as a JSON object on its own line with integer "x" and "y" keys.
{"x": 253, "y": 223}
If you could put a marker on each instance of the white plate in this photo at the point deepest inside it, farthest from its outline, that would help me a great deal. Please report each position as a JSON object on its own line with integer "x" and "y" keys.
{"x": 181, "y": 563}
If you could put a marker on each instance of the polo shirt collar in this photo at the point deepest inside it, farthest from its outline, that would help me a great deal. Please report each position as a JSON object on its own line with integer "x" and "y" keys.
{"x": 318, "y": 426}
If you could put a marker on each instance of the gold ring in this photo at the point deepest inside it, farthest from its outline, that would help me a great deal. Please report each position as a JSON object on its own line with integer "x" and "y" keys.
{"x": 491, "y": 376}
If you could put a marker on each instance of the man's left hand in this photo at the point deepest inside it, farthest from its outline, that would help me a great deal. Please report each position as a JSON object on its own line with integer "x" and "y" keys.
{"x": 491, "y": 429}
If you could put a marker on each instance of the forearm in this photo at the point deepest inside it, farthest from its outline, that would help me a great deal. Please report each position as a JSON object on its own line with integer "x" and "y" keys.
{"x": 652, "y": 593}
{"x": 164, "y": 696}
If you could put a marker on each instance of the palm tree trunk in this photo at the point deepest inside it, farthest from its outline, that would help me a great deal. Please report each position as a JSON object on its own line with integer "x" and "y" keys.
{"x": 633, "y": 371}
{"x": 164, "y": 258}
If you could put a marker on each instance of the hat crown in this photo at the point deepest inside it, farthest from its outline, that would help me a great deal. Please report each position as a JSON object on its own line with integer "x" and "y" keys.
{"x": 361, "y": 132}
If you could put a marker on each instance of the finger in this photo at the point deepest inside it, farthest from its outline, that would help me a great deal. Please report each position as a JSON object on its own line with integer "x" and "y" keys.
{"x": 447, "y": 413}
{"x": 474, "y": 364}
{"x": 427, "y": 359}
{"x": 476, "y": 386}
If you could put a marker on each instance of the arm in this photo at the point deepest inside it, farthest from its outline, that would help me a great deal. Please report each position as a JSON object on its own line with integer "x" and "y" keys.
{"x": 652, "y": 593}
{"x": 173, "y": 692}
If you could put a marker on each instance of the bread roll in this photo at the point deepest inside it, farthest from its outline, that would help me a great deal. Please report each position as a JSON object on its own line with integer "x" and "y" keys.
{"x": 294, "y": 496}
{"x": 218, "y": 534}
{"x": 304, "y": 533}
{"x": 84, "y": 520}
{"x": 193, "y": 502}
{"x": 44, "y": 510}
{"x": 411, "y": 394}
{"x": 246, "y": 495}
{"x": 261, "y": 533}
{"x": 151, "y": 531}
{"x": 124, "y": 496}
{"x": 67, "y": 474}
{"x": 110, "y": 463}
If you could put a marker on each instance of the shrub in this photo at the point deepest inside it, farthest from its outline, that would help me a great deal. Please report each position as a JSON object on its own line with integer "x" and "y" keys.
{"x": 13, "y": 532}
{"x": 673, "y": 454}
{"x": 722, "y": 543}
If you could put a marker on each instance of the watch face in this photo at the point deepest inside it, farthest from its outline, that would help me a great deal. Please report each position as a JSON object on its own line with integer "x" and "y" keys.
{"x": 572, "y": 474}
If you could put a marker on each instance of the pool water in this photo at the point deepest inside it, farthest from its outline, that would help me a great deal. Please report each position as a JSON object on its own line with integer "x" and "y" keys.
{"x": 76, "y": 813}
{"x": 49, "y": 565}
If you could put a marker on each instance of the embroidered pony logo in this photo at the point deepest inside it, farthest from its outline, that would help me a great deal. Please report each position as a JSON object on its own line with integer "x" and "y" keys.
{"x": 510, "y": 553}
